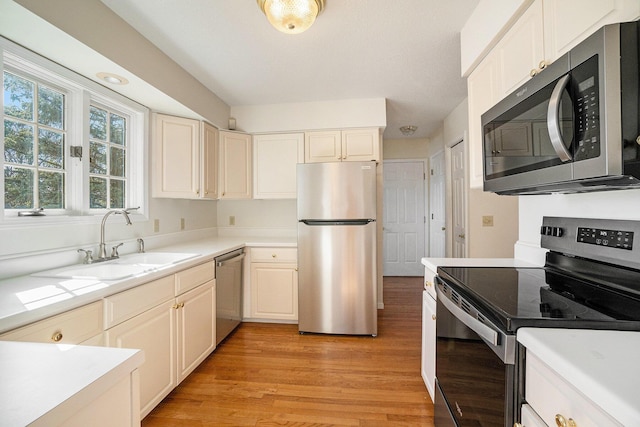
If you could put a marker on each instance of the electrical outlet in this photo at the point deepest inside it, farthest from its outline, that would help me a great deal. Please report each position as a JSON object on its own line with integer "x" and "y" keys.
{"x": 487, "y": 221}
{"x": 181, "y": 223}
{"x": 156, "y": 225}
{"x": 232, "y": 220}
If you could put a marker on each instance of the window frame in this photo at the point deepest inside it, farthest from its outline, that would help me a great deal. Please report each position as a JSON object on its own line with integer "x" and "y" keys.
{"x": 80, "y": 93}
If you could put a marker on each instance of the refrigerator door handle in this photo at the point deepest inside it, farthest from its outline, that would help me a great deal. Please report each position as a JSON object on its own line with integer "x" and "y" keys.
{"x": 315, "y": 222}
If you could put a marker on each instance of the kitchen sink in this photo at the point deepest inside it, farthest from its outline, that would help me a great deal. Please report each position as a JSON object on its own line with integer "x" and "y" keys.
{"x": 118, "y": 269}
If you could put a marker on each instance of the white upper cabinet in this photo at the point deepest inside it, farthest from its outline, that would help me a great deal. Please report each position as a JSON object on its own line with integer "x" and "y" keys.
{"x": 176, "y": 154}
{"x": 346, "y": 145}
{"x": 235, "y": 165}
{"x": 185, "y": 158}
{"x": 568, "y": 22}
{"x": 274, "y": 165}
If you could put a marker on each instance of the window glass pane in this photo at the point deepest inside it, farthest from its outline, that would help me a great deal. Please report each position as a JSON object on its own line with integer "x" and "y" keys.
{"x": 117, "y": 194}
{"x": 98, "y": 158}
{"x": 18, "y": 97}
{"x": 18, "y": 143}
{"x": 98, "y": 124}
{"x": 117, "y": 164}
{"x": 98, "y": 192}
{"x": 51, "y": 190}
{"x": 117, "y": 130}
{"x": 18, "y": 188}
{"x": 50, "y": 149}
{"x": 50, "y": 107}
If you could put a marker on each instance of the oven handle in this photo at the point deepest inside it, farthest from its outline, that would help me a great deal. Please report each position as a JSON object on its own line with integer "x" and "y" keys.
{"x": 485, "y": 332}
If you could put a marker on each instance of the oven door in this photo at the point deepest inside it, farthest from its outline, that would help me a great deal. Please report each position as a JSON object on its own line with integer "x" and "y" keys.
{"x": 475, "y": 368}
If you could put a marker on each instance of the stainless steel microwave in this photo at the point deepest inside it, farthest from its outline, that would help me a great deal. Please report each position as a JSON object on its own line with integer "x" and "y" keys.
{"x": 575, "y": 127}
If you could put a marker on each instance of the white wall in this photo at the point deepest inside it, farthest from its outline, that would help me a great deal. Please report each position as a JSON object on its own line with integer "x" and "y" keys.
{"x": 406, "y": 148}
{"x": 257, "y": 217}
{"x": 622, "y": 204}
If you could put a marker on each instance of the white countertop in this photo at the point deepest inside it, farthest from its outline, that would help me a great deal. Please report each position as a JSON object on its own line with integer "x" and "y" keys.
{"x": 39, "y": 380}
{"x": 603, "y": 365}
{"x": 27, "y": 299}
{"x": 434, "y": 263}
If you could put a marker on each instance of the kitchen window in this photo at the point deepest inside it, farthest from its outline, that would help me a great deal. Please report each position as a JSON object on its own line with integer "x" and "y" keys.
{"x": 70, "y": 146}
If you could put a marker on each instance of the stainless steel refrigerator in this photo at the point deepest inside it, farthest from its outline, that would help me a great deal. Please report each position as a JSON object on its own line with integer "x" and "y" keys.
{"x": 337, "y": 289}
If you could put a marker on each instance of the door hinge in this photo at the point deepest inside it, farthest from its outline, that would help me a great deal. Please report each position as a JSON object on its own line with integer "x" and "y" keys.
{"x": 431, "y": 172}
{"x": 75, "y": 151}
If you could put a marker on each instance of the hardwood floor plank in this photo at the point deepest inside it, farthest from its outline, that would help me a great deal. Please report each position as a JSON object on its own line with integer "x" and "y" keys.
{"x": 270, "y": 375}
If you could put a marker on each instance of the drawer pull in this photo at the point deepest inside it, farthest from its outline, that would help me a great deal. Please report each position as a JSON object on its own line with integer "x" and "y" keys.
{"x": 563, "y": 422}
{"x": 57, "y": 336}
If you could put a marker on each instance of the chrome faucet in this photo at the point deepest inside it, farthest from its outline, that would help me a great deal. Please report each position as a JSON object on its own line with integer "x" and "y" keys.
{"x": 102, "y": 250}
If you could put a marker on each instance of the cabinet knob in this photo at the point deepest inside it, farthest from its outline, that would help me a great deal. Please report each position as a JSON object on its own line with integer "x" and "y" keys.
{"x": 428, "y": 283}
{"x": 517, "y": 425}
{"x": 57, "y": 336}
{"x": 461, "y": 236}
{"x": 533, "y": 72}
{"x": 178, "y": 305}
{"x": 433, "y": 317}
{"x": 443, "y": 228}
{"x": 543, "y": 64}
{"x": 274, "y": 256}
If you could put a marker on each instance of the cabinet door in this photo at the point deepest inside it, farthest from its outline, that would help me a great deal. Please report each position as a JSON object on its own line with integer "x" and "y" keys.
{"x": 361, "y": 145}
{"x": 568, "y": 22}
{"x": 428, "y": 363}
{"x": 176, "y": 154}
{"x": 323, "y": 146}
{"x": 235, "y": 165}
{"x": 274, "y": 165}
{"x": 196, "y": 327}
{"x": 521, "y": 51}
{"x": 154, "y": 332}
{"x": 209, "y": 175}
{"x": 274, "y": 291}
{"x": 483, "y": 88}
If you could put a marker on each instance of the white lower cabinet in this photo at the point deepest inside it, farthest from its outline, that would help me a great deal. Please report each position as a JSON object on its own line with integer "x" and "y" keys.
{"x": 530, "y": 418}
{"x": 173, "y": 320}
{"x": 428, "y": 355}
{"x": 274, "y": 284}
{"x": 553, "y": 399}
{"x": 196, "y": 327}
{"x": 80, "y": 325}
{"x": 153, "y": 332}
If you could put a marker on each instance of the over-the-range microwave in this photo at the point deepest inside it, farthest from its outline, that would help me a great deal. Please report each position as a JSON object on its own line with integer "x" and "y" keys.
{"x": 575, "y": 127}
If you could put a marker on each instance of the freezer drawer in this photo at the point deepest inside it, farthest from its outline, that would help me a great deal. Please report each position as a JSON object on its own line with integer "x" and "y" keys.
{"x": 337, "y": 290}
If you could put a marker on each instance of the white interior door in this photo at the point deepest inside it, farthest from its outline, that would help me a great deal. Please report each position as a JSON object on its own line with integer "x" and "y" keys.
{"x": 458, "y": 190}
{"x": 403, "y": 218}
{"x": 437, "y": 210}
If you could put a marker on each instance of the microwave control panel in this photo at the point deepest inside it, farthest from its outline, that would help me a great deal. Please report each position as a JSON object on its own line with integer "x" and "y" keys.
{"x": 586, "y": 109}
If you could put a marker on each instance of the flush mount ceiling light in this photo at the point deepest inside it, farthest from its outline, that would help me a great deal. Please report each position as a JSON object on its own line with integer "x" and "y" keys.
{"x": 114, "y": 79}
{"x": 408, "y": 130}
{"x": 291, "y": 16}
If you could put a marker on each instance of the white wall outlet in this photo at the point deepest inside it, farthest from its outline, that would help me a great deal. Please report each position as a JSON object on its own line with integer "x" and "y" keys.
{"x": 181, "y": 223}
{"x": 232, "y": 220}
{"x": 487, "y": 221}
{"x": 156, "y": 225}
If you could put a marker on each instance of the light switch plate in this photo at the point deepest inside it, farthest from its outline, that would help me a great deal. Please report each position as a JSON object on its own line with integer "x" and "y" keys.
{"x": 487, "y": 220}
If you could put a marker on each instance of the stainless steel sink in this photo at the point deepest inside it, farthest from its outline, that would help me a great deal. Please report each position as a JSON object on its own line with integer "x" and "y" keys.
{"x": 121, "y": 268}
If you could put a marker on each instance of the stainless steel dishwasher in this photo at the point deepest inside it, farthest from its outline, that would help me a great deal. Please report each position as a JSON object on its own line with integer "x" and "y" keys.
{"x": 228, "y": 293}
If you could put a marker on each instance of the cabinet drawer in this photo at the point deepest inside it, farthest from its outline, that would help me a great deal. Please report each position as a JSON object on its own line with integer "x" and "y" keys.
{"x": 530, "y": 418}
{"x": 195, "y": 276}
{"x": 71, "y": 327}
{"x": 274, "y": 255}
{"x": 550, "y": 394}
{"x": 127, "y": 304}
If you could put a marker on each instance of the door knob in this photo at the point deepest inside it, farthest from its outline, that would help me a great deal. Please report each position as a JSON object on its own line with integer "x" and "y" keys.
{"x": 443, "y": 228}
{"x": 461, "y": 236}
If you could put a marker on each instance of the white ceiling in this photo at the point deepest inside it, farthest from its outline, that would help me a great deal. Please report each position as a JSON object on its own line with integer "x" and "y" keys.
{"x": 406, "y": 51}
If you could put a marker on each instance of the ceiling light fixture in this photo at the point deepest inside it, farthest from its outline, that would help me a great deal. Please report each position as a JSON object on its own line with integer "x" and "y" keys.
{"x": 114, "y": 79}
{"x": 408, "y": 130}
{"x": 291, "y": 16}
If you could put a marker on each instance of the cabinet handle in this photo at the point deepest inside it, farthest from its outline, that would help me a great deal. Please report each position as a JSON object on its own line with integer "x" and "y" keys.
{"x": 57, "y": 336}
{"x": 178, "y": 305}
{"x": 563, "y": 422}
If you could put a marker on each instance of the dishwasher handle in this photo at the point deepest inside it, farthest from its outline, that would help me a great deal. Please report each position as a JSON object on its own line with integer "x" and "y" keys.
{"x": 229, "y": 260}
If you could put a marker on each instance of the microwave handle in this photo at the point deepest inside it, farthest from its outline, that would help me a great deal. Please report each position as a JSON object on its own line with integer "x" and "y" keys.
{"x": 553, "y": 120}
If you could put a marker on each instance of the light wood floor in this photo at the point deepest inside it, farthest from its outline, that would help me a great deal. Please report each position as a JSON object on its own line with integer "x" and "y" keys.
{"x": 269, "y": 375}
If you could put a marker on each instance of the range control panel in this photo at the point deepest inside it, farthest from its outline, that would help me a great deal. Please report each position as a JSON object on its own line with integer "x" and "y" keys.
{"x": 606, "y": 240}
{"x": 610, "y": 238}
